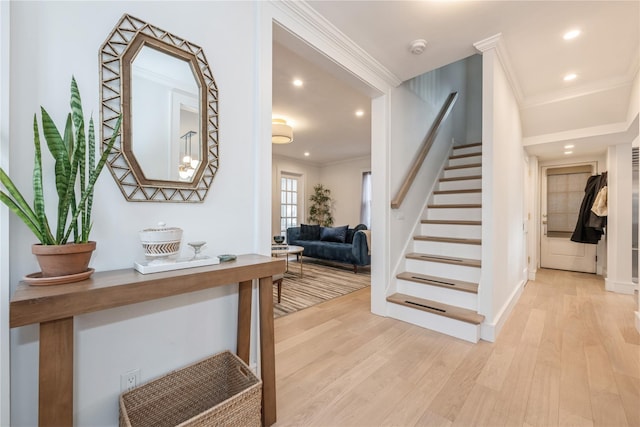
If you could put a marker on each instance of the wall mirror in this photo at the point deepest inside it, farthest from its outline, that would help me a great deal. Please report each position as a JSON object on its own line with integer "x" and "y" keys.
{"x": 168, "y": 98}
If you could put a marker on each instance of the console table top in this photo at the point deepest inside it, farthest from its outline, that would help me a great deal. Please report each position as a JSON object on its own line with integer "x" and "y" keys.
{"x": 109, "y": 289}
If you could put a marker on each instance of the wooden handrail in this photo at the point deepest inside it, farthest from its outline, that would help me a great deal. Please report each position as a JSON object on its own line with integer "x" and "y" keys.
{"x": 424, "y": 150}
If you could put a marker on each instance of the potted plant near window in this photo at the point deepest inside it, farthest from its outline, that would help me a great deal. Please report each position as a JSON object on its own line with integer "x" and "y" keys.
{"x": 64, "y": 255}
{"x": 321, "y": 203}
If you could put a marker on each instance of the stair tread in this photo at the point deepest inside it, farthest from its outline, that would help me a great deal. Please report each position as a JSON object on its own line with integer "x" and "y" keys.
{"x": 474, "y": 144}
{"x": 448, "y": 206}
{"x": 472, "y": 190}
{"x": 449, "y": 221}
{"x": 461, "y": 178}
{"x": 448, "y": 240}
{"x": 464, "y": 156}
{"x": 470, "y": 165}
{"x": 444, "y": 259}
{"x": 425, "y": 279}
{"x": 434, "y": 307}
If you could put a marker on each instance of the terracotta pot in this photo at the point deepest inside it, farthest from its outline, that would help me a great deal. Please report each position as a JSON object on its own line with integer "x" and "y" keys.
{"x": 63, "y": 260}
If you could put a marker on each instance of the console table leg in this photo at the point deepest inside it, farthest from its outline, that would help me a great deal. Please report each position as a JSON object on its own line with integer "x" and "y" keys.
{"x": 244, "y": 320}
{"x": 55, "y": 406}
{"x": 267, "y": 352}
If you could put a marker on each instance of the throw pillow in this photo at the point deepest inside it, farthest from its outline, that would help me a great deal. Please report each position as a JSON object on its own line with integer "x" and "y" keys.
{"x": 334, "y": 234}
{"x": 352, "y": 231}
{"x": 309, "y": 232}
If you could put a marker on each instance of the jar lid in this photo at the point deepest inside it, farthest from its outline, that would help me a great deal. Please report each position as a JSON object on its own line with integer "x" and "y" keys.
{"x": 163, "y": 227}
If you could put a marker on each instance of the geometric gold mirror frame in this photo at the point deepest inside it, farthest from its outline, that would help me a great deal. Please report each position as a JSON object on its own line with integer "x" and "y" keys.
{"x": 162, "y": 86}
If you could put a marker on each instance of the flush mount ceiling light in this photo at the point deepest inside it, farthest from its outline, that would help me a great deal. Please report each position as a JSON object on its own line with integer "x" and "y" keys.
{"x": 570, "y": 77}
{"x": 570, "y": 35}
{"x": 568, "y": 146}
{"x": 418, "y": 46}
{"x": 359, "y": 113}
{"x": 568, "y": 152}
{"x": 298, "y": 83}
{"x": 281, "y": 132}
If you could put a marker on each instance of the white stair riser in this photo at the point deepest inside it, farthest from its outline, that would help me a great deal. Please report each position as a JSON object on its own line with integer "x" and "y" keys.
{"x": 464, "y": 184}
{"x": 451, "y": 230}
{"x": 448, "y": 249}
{"x": 457, "y": 198}
{"x": 441, "y": 269}
{"x": 463, "y": 330}
{"x": 455, "y": 214}
{"x": 466, "y": 160}
{"x": 449, "y": 296}
{"x": 468, "y": 150}
{"x": 454, "y": 173}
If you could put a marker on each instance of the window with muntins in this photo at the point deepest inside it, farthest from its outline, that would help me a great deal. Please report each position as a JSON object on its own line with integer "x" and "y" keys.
{"x": 289, "y": 199}
{"x": 565, "y": 192}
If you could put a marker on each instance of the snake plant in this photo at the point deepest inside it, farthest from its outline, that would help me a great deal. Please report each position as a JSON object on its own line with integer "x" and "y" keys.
{"x": 76, "y": 173}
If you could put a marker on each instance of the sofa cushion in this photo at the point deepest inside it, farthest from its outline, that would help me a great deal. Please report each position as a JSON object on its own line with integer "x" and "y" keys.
{"x": 309, "y": 232}
{"x": 332, "y": 251}
{"x": 352, "y": 231}
{"x": 334, "y": 234}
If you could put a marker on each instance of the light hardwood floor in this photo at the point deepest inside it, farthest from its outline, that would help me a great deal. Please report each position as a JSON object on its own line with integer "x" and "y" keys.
{"x": 569, "y": 355}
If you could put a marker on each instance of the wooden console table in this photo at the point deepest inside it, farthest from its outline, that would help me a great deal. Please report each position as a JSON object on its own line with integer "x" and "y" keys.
{"x": 54, "y": 307}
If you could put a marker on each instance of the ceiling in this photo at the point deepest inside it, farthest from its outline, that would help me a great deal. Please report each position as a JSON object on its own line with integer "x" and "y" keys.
{"x": 605, "y": 58}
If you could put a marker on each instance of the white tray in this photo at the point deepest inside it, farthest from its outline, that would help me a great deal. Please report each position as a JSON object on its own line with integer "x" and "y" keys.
{"x": 147, "y": 266}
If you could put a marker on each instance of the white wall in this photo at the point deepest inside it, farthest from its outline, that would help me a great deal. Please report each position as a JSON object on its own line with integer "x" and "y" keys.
{"x": 503, "y": 233}
{"x": 619, "y": 219}
{"x": 634, "y": 110}
{"x": 344, "y": 179}
{"x": 50, "y": 41}
{"x": 5, "y": 26}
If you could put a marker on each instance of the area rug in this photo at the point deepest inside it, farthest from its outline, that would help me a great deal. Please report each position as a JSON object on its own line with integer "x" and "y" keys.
{"x": 320, "y": 282}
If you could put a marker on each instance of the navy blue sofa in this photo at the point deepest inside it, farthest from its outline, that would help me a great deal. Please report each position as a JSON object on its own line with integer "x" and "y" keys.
{"x": 339, "y": 244}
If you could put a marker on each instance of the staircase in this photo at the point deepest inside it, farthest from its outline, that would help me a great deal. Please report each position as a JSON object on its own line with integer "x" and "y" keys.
{"x": 439, "y": 288}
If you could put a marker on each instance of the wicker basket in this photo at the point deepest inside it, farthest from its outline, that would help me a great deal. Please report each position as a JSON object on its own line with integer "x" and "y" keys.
{"x": 217, "y": 391}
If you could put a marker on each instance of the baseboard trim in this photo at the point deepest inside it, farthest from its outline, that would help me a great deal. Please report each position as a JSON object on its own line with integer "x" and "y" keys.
{"x": 638, "y": 321}
{"x": 490, "y": 331}
{"x": 532, "y": 274}
{"x": 627, "y": 288}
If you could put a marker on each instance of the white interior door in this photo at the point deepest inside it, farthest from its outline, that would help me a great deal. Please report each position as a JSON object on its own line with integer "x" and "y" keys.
{"x": 561, "y": 197}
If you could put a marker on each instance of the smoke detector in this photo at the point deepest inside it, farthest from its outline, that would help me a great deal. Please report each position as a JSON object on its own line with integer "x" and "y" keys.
{"x": 418, "y": 46}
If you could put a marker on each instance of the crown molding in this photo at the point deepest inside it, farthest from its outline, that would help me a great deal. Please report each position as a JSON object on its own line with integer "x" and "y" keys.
{"x": 494, "y": 42}
{"x": 327, "y": 38}
{"x": 577, "y": 92}
{"x": 488, "y": 43}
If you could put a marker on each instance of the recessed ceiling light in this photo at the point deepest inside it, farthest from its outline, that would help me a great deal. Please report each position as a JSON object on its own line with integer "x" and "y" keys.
{"x": 568, "y": 152}
{"x": 307, "y": 154}
{"x": 569, "y": 35}
{"x": 359, "y": 113}
{"x": 297, "y": 82}
{"x": 570, "y": 77}
{"x": 568, "y": 146}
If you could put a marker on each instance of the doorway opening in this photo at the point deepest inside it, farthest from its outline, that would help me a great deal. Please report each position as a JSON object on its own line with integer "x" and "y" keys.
{"x": 562, "y": 192}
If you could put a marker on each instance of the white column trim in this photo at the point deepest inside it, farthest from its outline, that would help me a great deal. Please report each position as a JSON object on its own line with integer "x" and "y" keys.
{"x": 495, "y": 42}
{"x": 5, "y": 282}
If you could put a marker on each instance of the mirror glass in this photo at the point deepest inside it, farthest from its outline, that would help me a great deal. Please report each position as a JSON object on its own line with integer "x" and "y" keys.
{"x": 165, "y": 137}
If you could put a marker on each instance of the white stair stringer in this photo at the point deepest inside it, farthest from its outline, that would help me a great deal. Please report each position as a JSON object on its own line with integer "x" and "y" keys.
{"x": 438, "y": 289}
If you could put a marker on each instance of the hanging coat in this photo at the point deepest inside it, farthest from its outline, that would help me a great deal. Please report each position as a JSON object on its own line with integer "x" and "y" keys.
{"x": 584, "y": 233}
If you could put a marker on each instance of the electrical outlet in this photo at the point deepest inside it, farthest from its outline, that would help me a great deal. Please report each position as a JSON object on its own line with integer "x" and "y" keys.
{"x": 129, "y": 380}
